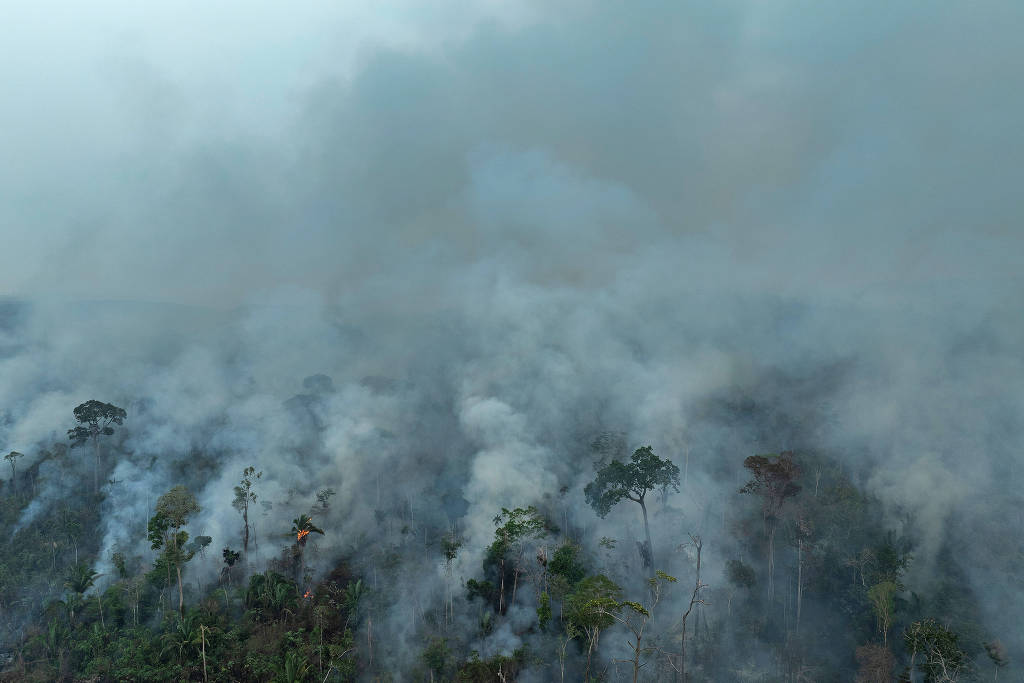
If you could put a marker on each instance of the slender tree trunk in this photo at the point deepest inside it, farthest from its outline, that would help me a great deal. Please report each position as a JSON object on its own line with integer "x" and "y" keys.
{"x": 694, "y": 600}
{"x": 771, "y": 561}
{"x": 561, "y": 659}
{"x": 202, "y": 635}
{"x": 686, "y": 466}
{"x": 515, "y": 585}
{"x": 501, "y": 591}
{"x": 181, "y": 594}
{"x": 590, "y": 650}
{"x": 647, "y": 535}
{"x": 96, "y": 465}
{"x": 799, "y": 580}
{"x": 245, "y": 535}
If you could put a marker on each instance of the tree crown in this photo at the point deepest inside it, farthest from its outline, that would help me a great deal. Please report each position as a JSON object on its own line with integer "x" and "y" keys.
{"x": 774, "y": 479}
{"x": 176, "y": 506}
{"x": 644, "y": 472}
{"x": 94, "y": 418}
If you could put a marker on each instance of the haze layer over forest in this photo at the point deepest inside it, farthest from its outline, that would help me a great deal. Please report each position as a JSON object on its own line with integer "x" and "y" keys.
{"x": 447, "y": 258}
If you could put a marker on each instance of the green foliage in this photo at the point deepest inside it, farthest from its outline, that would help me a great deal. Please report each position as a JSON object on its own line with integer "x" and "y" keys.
{"x": 176, "y": 506}
{"x": 590, "y": 605}
{"x": 615, "y": 481}
{"x": 80, "y": 578}
{"x": 94, "y": 418}
{"x": 564, "y": 563}
{"x": 497, "y": 668}
{"x": 515, "y": 526}
{"x": 119, "y": 562}
{"x": 450, "y": 545}
{"x": 269, "y": 594}
{"x": 230, "y": 556}
{"x": 296, "y": 669}
{"x": 740, "y": 574}
{"x": 355, "y": 593}
{"x": 774, "y": 478}
{"x": 302, "y": 527}
{"x": 243, "y": 492}
{"x": 942, "y": 657}
{"x": 157, "y": 531}
{"x": 199, "y": 544}
{"x": 881, "y": 597}
{"x": 267, "y": 629}
{"x": 544, "y": 611}
{"x": 482, "y": 589}
{"x": 436, "y": 656}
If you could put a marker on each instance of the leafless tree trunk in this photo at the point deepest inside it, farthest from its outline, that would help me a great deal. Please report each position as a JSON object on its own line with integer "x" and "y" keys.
{"x": 695, "y": 599}
{"x": 202, "y": 635}
{"x": 647, "y": 536}
{"x": 799, "y": 579}
{"x": 96, "y": 464}
{"x": 181, "y": 594}
{"x": 245, "y": 523}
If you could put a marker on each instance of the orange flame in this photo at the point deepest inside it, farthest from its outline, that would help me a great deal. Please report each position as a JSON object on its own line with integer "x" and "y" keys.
{"x": 301, "y": 535}
{"x": 308, "y": 595}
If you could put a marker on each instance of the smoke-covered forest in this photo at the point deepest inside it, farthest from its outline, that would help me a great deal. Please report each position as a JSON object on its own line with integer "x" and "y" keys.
{"x": 448, "y": 341}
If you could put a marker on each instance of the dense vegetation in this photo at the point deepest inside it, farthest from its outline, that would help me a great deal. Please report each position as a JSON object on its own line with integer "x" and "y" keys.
{"x": 810, "y": 585}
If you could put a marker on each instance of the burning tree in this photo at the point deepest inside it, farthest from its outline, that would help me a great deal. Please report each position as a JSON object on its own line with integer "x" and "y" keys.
{"x": 302, "y": 527}
{"x": 94, "y": 420}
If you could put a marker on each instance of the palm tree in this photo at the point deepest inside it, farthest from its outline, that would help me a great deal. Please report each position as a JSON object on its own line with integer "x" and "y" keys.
{"x": 270, "y": 594}
{"x": 302, "y": 527}
{"x": 80, "y": 578}
{"x": 296, "y": 669}
{"x": 185, "y": 637}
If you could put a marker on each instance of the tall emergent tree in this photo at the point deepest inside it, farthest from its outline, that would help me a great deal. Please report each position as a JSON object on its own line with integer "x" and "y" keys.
{"x": 302, "y": 527}
{"x": 94, "y": 419}
{"x": 243, "y": 496}
{"x": 633, "y": 480}
{"x": 775, "y": 481}
{"x": 11, "y": 458}
{"x": 172, "y": 512}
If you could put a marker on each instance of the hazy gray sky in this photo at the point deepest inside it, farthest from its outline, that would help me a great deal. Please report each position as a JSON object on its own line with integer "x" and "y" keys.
{"x": 189, "y": 153}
